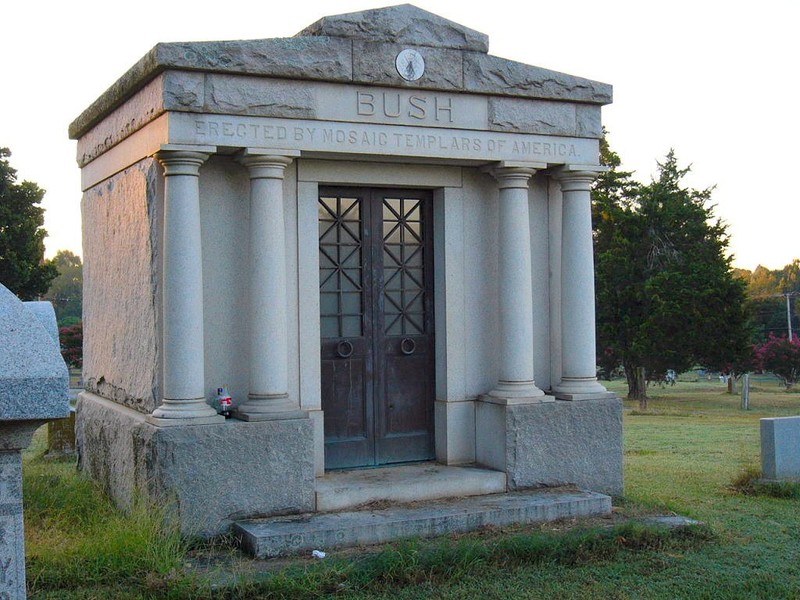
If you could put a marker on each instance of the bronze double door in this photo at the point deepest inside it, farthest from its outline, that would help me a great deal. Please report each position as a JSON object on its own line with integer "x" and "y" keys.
{"x": 376, "y": 321}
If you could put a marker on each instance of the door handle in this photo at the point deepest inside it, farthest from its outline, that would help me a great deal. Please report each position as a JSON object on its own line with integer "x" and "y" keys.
{"x": 344, "y": 349}
{"x": 407, "y": 346}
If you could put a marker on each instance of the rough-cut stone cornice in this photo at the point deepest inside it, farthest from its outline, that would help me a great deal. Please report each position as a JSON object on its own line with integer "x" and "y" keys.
{"x": 357, "y": 48}
{"x": 402, "y": 24}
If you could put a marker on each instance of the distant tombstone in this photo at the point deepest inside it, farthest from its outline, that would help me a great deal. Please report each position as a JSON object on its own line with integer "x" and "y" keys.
{"x": 746, "y": 391}
{"x": 61, "y": 436}
{"x": 34, "y": 385}
{"x": 780, "y": 448}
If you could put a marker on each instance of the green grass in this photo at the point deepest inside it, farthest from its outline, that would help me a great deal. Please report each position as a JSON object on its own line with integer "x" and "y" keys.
{"x": 693, "y": 452}
{"x": 76, "y": 540}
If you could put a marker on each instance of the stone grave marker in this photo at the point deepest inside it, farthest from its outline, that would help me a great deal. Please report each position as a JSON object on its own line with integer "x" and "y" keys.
{"x": 34, "y": 385}
{"x": 780, "y": 448}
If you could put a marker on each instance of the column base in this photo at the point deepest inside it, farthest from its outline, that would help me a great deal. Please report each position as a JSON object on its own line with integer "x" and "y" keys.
{"x": 269, "y": 407}
{"x": 184, "y": 421}
{"x": 270, "y": 416}
{"x": 581, "y": 389}
{"x": 516, "y": 392}
{"x": 193, "y": 411}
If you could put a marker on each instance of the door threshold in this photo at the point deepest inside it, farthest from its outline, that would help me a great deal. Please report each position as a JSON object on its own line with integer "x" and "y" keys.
{"x": 397, "y": 484}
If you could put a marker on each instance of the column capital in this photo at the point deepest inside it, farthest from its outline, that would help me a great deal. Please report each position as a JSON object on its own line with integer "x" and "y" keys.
{"x": 513, "y": 174}
{"x": 578, "y": 177}
{"x": 266, "y": 164}
{"x": 183, "y": 160}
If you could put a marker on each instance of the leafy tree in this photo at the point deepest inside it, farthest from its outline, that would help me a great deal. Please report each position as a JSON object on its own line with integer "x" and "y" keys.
{"x": 23, "y": 269}
{"x": 66, "y": 291}
{"x": 763, "y": 282}
{"x": 790, "y": 277}
{"x": 781, "y": 356}
{"x": 666, "y": 294}
{"x": 766, "y": 290}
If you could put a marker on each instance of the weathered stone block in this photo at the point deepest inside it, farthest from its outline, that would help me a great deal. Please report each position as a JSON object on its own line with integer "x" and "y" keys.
{"x": 589, "y": 123}
{"x": 374, "y": 63}
{"x": 184, "y": 91}
{"x": 275, "y": 537}
{"x": 296, "y": 58}
{"x": 34, "y": 380}
{"x": 320, "y": 58}
{"x": 206, "y": 475}
{"x": 229, "y": 94}
{"x": 780, "y": 448}
{"x": 402, "y": 24}
{"x": 532, "y": 116}
{"x": 34, "y": 384}
{"x": 120, "y": 355}
{"x": 554, "y": 443}
{"x": 491, "y": 74}
{"x": 143, "y": 106}
{"x": 12, "y": 533}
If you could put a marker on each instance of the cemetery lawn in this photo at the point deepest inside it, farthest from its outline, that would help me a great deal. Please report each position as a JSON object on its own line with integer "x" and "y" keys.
{"x": 682, "y": 456}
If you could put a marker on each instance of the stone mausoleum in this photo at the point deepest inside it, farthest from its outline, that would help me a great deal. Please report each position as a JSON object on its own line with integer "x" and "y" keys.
{"x": 374, "y": 234}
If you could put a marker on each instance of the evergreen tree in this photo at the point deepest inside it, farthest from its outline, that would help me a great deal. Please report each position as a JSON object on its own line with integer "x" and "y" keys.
{"x": 23, "y": 269}
{"x": 666, "y": 294}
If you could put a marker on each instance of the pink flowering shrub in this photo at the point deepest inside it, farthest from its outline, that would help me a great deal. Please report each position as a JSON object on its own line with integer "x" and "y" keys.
{"x": 72, "y": 345}
{"x": 781, "y": 356}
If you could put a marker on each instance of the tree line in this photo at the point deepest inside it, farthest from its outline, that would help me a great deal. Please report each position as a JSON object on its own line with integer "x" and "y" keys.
{"x": 667, "y": 296}
{"x": 767, "y": 292}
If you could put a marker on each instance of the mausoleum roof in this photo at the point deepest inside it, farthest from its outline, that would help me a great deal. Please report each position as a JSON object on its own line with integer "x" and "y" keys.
{"x": 402, "y": 24}
{"x": 357, "y": 48}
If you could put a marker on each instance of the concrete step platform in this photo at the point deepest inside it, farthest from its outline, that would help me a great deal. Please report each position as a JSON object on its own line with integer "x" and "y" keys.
{"x": 339, "y": 490}
{"x": 279, "y": 536}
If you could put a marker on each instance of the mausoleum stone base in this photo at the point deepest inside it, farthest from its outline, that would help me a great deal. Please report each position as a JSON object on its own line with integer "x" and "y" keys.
{"x": 554, "y": 443}
{"x": 206, "y": 476}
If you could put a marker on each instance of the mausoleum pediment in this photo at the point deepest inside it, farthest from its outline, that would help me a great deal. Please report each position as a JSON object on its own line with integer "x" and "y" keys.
{"x": 357, "y": 48}
{"x": 402, "y": 24}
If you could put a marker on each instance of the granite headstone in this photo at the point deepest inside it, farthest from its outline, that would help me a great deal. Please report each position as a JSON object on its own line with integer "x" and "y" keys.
{"x": 780, "y": 448}
{"x": 34, "y": 385}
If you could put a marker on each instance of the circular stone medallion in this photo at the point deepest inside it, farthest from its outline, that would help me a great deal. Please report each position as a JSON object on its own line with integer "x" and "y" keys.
{"x": 410, "y": 64}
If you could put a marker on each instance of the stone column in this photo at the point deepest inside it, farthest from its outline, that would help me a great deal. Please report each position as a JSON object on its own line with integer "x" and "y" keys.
{"x": 184, "y": 401}
{"x": 268, "y": 396}
{"x": 578, "y": 370}
{"x": 516, "y": 383}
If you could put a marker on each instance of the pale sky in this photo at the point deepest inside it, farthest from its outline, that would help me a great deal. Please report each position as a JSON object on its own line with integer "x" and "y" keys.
{"x": 715, "y": 80}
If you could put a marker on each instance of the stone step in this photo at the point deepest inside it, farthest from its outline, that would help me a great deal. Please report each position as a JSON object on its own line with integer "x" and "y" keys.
{"x": 339, "y": 490}
{"x": 278, "y": 536}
